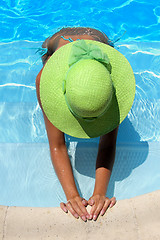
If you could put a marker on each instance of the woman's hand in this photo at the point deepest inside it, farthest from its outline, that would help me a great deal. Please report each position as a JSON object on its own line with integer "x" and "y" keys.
{"x": 99, "y": 205}
{"x": 77, "y": 207}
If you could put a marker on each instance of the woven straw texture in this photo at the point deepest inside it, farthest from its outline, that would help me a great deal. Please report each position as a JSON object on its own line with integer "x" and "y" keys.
{"x": 53, "y": 100}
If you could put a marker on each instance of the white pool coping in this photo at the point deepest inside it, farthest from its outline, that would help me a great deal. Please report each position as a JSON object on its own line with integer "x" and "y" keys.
{"x": 137, "y": 218}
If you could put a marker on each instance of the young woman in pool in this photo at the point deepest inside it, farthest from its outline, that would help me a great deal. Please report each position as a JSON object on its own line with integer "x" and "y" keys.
{"x": 83, "y": 92}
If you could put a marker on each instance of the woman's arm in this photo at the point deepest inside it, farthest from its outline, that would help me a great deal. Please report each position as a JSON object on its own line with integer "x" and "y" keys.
{"x": 61, "y": 162}
{"x": 104, "y": 165}
{"x": 60, "y": 159}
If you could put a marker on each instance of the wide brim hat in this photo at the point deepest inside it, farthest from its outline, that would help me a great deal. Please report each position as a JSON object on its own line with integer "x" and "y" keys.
{"x": 79, "y": 76}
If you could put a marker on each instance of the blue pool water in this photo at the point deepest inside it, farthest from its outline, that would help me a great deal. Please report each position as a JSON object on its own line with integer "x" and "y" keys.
{"x": 27, "y": 177}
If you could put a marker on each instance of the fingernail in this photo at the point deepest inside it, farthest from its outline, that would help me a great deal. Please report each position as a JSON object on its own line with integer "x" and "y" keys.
{"x": 76, "y": 215}
{"x": 111, "y": 205}
{"x": 94, "y": 217}
{"x": 92, "y": 202}
{"x": 90, "y": 216}
{"x": 102, "y": 213}
{"x": 84, "y": 218}
{"x": 65, "y": 210}
{"x": 84, "y": 203}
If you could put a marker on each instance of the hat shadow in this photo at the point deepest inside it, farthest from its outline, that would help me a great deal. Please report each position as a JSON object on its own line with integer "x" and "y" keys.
{"x": 97, "y": 127}
{"x": 130, "y": 153}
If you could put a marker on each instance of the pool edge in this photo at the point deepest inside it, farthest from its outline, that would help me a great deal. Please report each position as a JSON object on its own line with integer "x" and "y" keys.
{"x": 135, "y": 218}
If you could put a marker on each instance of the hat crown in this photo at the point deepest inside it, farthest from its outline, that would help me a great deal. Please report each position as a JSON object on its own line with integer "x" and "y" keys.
{"x": 53, "y": 92}
{"x": 89, "y": 88}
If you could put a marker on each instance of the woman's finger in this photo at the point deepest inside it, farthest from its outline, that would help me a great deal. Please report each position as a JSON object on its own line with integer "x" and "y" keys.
{"x": 84, "y": 202}
{"x": 106, "y": 205}
{"x": 113, "y": 202}
{"x": 93, "y": 209}
{"x": 71, "y": 209}
{"x": 63, "y": 207}
{"x": 78, "y": 209}
{"x": 83, "y": 211}
{"x": 91, "y": 201}
{"x": 98, "y": 208}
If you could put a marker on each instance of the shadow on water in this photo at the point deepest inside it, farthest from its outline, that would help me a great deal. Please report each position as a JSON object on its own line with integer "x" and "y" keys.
{"x": 130, "y": 153}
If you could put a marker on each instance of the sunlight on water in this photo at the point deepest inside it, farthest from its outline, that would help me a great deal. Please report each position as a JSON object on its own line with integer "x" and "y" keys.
{"x": 113, "y": 17}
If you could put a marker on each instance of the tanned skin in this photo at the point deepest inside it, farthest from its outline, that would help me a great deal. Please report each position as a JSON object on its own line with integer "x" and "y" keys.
{"x": 61, "y": 162}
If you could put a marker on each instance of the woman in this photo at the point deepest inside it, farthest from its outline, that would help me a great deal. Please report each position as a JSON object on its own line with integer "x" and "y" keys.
{"x": 107, "y": 145}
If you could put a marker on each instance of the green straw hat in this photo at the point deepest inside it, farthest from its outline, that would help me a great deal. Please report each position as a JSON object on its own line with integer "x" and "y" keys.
{"x": 87, "y": 88}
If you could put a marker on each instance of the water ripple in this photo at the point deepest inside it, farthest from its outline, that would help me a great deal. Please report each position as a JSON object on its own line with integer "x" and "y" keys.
{"x": 31, "y": 19}
{"x": 122, "y": 5}
{"x": 16, "y": 85}
{"x": 148, "y": 72}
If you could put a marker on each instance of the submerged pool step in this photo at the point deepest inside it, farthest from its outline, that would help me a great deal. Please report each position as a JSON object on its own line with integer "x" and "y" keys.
{"x": 28, "y": 179}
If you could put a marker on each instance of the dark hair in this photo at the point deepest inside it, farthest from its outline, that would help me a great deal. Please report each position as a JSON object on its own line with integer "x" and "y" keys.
{"x": 52, "y": 42}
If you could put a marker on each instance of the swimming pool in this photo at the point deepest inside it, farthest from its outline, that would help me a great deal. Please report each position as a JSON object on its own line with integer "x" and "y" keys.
{"x": 27, "y": 176}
